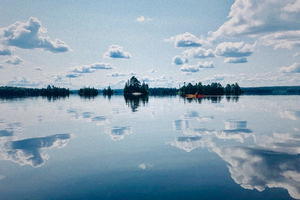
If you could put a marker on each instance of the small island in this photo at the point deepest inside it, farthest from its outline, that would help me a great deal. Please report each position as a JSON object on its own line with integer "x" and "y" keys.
{"x": 88, "y": 92}
{"x": 133, "y": 87}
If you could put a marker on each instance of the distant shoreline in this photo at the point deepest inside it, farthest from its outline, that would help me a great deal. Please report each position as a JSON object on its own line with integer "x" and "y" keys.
{"x": 8, "y": 91}
{"x": 271, "y": 90}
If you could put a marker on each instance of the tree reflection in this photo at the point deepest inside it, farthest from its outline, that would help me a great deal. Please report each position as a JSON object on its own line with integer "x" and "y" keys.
{"x": 135, "y": 101}
{"x": 212, "y": 99}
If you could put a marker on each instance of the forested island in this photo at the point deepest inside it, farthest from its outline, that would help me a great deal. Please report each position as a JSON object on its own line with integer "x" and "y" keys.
{"x": 89, "y": 92}
{"x": 133, "y": 87}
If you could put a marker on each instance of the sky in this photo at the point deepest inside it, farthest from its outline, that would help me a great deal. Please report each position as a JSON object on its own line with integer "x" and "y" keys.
{"x": 76, "y": 43}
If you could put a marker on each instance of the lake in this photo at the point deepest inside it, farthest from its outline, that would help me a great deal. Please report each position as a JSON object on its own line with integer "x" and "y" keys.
{"x": 153, "y": 148}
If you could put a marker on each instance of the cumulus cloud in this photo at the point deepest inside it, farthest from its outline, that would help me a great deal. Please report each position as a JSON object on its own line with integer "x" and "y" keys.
{"x": 23, "y": 82}
{"x": 189, "y": 68}
{"x": 4, "y": 51}
{"x": 234, "y": 49}
{"x": 235, "y": 60}
{"x": 14, "y": 60}
{"x": 197, "y": 67}
{"x": 116, "y": 51}
{"x": 89, "y": 69}
{"x": 83, "y": 69}
{"x": 274, "y": 22}
{"x": 207, "y": 64}
{"x": 294, "y": 68}
{"x": 185, "y": 40}
{"x": 31, "y": 35}
{"x": 284, "y": 39}
{"x": 199, "y": 53}
{"x": 73, "y": 75}
{"x": 143, "y": 19}
{"x": 178, "y": 60}
{"x": 116, "y": 74}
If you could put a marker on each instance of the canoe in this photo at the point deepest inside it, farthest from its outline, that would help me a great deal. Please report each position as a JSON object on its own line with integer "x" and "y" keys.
{"x": 194, "y": 95}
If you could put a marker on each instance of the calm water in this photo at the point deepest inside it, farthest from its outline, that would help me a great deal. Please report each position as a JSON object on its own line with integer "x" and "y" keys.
{"x": 156, "y": 148}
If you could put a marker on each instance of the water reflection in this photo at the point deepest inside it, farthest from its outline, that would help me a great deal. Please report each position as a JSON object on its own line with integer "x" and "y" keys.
{"x": 135, "y": 101}
{"x": 118, "y": 132}
{"x": 187, "y": 143}
{"x": 290, "y": 114}
{"x": 30, "y": 151}
{"x": 212, "y": 99}
{"x": 272, "y": 163}
{"x": 89, "y": 117}
{"x": 258, "y": 168}
{"x": 6, "y": 133}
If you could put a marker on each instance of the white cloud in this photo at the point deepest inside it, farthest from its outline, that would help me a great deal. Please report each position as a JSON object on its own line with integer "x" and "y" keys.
{"x": 185, "y": 40}
{"x": 296, "y": 54}
{"x": 195, "y": 68}
{"x": 23, "y": 82}
{"x": 91, "y": 68}
{"x": 292, "y": 7}
{"x": 178, "y": 60}
{"x": 38, "y": 69}
{"x": 4, "y": 51}
{"x": 101, "y": 66}
{"x": 235, "y": 60}
{"x": 189, "y": 68}
{"x": 152, "y": 71}
{"x": 116, "y": 74}
{"x": 234, "y": 49}
{"x": 116, "y": 51}
{"x": 143, "y": 19}
{"x": 14, "y": 60}
{"x": 284, "y": 39}
{"x": 294, "y": 68}
{"x": 73, "y": 75}
{"x": 83, "y": 69}
{"x": 199, "y": 53}
{"x": 207, "y": 64}
{"x": 267, "y": 20}
{"x": 31, "y": 35}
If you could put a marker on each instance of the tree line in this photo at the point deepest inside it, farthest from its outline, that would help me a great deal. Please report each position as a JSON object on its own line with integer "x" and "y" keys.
{"x": 210, "y": 89}
{"x": 7, "y": 91}
{"x": 88, "y": 92}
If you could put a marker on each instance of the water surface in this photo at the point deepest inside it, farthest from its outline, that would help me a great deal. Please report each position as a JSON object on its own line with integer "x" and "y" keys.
{"x": 153, "y": 148}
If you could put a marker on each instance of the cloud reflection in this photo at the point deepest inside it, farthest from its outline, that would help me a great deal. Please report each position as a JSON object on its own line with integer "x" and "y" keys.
{"x": 258, "y": 169}
{"x": 30, "y": 151}
{"x": 118, "y": 133}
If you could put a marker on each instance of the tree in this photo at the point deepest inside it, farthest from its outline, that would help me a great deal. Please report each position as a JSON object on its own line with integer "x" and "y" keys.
{"x": 134, "y": 86}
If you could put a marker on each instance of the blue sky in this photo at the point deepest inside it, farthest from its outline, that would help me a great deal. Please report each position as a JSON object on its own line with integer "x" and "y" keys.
{"x": 164, "y": 43}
